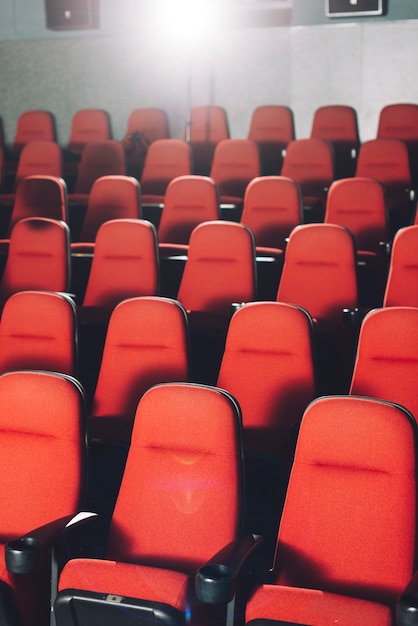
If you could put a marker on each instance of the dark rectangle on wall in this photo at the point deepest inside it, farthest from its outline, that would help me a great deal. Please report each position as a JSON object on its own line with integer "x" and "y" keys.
{"x": 72, "y": 14}
{"x": 343, "y": 8}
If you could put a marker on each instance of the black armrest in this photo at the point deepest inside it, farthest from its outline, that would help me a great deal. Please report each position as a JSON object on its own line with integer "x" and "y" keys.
{"x": 407, "y": 604}
{"x": 216, "y": 581}
{"x": 24, "y": 555}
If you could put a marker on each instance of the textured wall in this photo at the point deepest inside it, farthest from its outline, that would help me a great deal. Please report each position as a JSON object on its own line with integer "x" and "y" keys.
{"x": 366, "y": 65}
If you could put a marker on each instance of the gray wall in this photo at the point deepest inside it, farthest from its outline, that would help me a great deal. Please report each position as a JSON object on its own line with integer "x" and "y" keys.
{"x": 127, "y": 63}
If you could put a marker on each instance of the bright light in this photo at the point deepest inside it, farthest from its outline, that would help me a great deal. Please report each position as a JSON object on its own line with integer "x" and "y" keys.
{"x": 188, "y": 21}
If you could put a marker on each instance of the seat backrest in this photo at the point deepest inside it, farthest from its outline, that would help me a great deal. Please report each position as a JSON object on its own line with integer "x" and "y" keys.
{"x": 165, "y": 160}
{"x": 359, "y": 204}
{"x": 402, "y": 282}
{"x": 125, "y": 263}
{"x": 235, "y": 162}
{"x": 220, "y": 268}
{"x": 386, "y": 364}
{"x": 43, "y": 431}
{"x": 178, "y": 478}
{"x": 39, "y": 196}
{"x": 38, "y": 331}
{"x": 273, "y": 122}
{"x": 38, "y": 258}
{"x": 386, "y": 160}
{"x": 309, "y": 161}
{"x": 399, "y": 121}
{"x": 189, "y": 201}
{"x": 39, "y": 157}
{"x": 146, "y": 343}
{"x": 349, "y": 522}
{"x": 88, "y": 125}
{"x": 336, "y": 122}
{"x": 268, "y": 366}
{"x": 319, "y": 272}
{"x": 272, "y": 208}
{"x": 152, "y": 122}
{"x": 208, "y": 124}
{"x": 110, "y": 198}
{"x": 34, "y": 126}
{"x": 99, "y": 158}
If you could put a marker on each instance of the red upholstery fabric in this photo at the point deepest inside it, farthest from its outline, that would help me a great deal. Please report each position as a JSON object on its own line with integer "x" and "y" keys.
{"x": 40, "y": 196}
{"x": 39, "y": 157}
{"x": 152, "y": 122}
{"x": 319, "y": 272}
{"x": 386, "y": 160}
{"x": 359, "y": 204}
{"x": 179, "y": 500}
{"x": 348, "y": 524}
{"x": 189, "y": 201}
{"x": 220, "y": 268}
{"x": 38, "y": 331}
{"x": 311, "y": 163}
{"x": 336, "y": 123}
{"x": 124, "y": 263}
{"x": 34, "y": 126}
{"x": 41, "y": 464}
{"x": 208, "y": 124}
{"x": 146, "y": 344}
{"x": 110, "y": 198}
{"x": 235, "y": 163}
{"x": 166, "y": 159}
{"x": 402, "y": 282}
{"x": 387, "y": 357}
{"x": 272, "y": 208}
{"x": 38, "y": 257}
{"x": 399, "y": 121}
{"x": 99, "y": 158}
{"x": 268, "y": 367}
{"x": 272, "y": 123}
{"x": 88, "y": 125}
{"x": 272, "y": 127}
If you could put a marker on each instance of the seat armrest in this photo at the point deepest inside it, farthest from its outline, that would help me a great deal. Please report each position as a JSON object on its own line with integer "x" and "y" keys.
{"x": 24, "y": 555}
{"x": 216, "y": 581}
{"x": 407, "y": 604}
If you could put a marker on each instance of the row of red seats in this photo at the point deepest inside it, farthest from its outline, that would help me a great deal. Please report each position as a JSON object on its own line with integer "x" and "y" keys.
{"x": 198, "y": 435}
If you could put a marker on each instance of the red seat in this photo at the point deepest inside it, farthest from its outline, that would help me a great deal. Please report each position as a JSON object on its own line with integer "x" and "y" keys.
{"x": 220, "y": 268}
{"x": 272, "y": 209}
{"x": 400, "y": 121}
{"x": 42, "y": 465}
{"x": 235, "y": 163}
{"x": 179, "y": 504}
{"x": 268, "y": 366}
{"x": 387, "y": 161}
{"x": 347, "y": 536}
{"x": 272, "y": 127}
{"x": 99, "y": 158}
{"x": 125, "y": 265}
{"x": 38, "y": 258}
{"x": 386, "y": 364}
{"x": 359, "y": 204}
{"x": 402, "y": 282}
{"x": 152, "y": 122}
{"x": 111, "y": 197}
{"x": 189, "y": 201}
{"x": 146, "y": 343}
{"x": 338, "y": 124}
{"x": 311, "y": 163}
{"x": 208, "y": 125}
{"x": 320, "y": 275}
{"x": 36, "y": 125}
{"x": 166, "y": 159}
{"x": 87, "y": 126}
{"x": 39, "y": 196}
{"x": 38, "y": 331}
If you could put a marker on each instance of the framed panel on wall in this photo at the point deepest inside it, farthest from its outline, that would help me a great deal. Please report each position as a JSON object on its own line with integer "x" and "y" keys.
{"x": 349, "y": 8}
